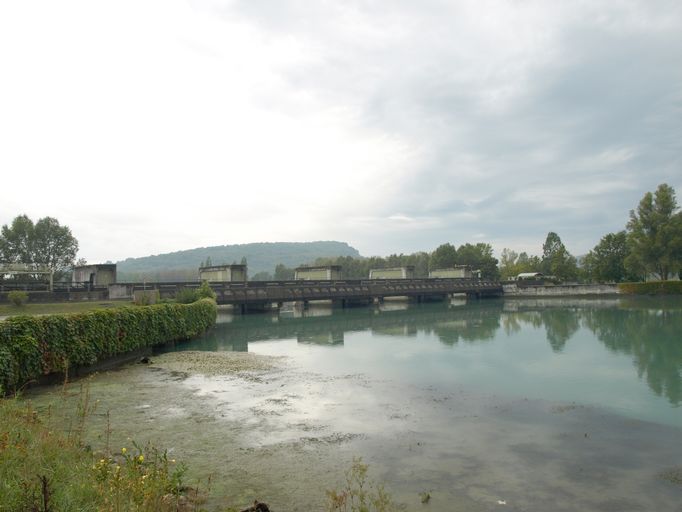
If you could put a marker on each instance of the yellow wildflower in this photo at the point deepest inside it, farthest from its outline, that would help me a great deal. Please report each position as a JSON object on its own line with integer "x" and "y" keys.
{"x": 123, "y": 451}
{"x": 141, "y": 458}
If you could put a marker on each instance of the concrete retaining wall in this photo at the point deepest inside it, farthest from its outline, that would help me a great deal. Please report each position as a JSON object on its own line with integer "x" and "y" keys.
{"x": 563, "y": 290}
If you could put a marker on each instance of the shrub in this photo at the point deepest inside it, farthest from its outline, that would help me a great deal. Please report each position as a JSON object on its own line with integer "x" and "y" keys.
{"x": 186, "y": 295}
{"x": 18, "y": 297}
{"x": 35, "y": 346}
{"x": 652, "y": 288}
{"x": 205, "y": 291}
{"x": 145, "y": 297}
{"x": 359, "y": 494}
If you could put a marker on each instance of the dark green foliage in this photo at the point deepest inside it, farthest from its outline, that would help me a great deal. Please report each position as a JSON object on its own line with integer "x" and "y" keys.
{"x": 606, "y": 262}
{"x": 479, "y": 257}
{"x": 556, "y": 260}
{"x": 655, "y": 234}
{"x": 186, "y": 295}
{"x": 45, "y": 242}
{"x": 445, "y": 256}
{"x": 205, "y": 291}
{"x": 18, "y": 297}
{"x": 31, "y": 346}
{"x": 652, "y": 288}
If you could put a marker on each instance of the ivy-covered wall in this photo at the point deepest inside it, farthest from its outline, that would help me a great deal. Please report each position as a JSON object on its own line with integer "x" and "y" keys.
{"x": 31, "y": 346}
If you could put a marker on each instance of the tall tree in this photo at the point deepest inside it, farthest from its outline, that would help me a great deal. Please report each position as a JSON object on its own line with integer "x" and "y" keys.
{"x": 444, "y": 256}
{"x": 16, "y": 240}
{"x": 45, "y": 242}
{"x": 606, "y": 262}
{"x": 556, "y": 260}
{"x": 655, "y": 234}
{"x": 54, "y": 244}
{"x": 479, "y": 257}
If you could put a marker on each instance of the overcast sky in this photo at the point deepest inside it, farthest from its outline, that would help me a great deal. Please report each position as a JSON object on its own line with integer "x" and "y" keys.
{"x": 149, "y": 126}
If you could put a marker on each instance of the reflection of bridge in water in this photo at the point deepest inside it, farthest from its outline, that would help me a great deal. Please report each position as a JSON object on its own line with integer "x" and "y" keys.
{"x": 262, "y": 294}
{"x": 648, "y": 331}
{"x": 327, "y": 326}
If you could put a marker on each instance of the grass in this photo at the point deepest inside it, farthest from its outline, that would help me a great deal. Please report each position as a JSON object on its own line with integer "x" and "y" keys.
{"x": 46, "y": 469}
{"x": 7, "y": 310}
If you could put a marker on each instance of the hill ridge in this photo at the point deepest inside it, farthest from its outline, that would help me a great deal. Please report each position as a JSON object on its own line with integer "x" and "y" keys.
{"x": 261, "y": 257}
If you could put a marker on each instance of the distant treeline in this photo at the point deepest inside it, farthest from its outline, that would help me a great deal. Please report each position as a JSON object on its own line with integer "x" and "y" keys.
{"x": 478, "y": 256}
{"x": 650, "y": 247}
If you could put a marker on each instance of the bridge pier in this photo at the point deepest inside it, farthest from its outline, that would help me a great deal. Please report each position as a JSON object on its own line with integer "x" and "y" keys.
{"x": 254, "y": 307}
{"x": 301, "y": 304}
{"x": 339, "y": 303}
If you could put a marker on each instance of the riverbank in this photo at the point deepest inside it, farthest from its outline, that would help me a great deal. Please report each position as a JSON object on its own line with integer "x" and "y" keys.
{"x": 258, "y": 426}
{"x": 32, "y": 347}
{"x": 46, "y": 468}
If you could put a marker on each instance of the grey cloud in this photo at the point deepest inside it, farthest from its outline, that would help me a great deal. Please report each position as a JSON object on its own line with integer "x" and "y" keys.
{"x": 530, "y": 111}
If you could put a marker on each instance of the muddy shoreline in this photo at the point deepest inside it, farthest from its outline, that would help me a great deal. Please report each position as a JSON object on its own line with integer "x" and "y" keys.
{"x": 266, "y": 428}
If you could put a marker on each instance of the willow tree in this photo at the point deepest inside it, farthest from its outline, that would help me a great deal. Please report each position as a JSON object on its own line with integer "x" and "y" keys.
{"x": 655, "y": 234}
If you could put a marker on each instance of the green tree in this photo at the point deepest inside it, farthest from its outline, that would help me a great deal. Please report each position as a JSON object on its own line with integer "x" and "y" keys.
{"x": 16, "y": 240}
{"x": 655, "y": 234}
{"x": 284, "y": 273}
{"x": 54, "y": 244}
{"x": 512, "y": 264}
{"x": 556, "y": 260}
{"x": 45, "y": 242}
{"x": 606, "y": 262}
{"x": 445, "y": 256}
{"x": 479, "y": 257}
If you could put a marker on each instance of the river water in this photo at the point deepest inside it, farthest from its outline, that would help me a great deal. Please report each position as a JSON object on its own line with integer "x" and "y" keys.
{"x": 515, "y": 405}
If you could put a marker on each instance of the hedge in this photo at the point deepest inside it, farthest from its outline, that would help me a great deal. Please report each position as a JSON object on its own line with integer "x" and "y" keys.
{"x": 652, "y": 288}
{"x": 31, "y": 346}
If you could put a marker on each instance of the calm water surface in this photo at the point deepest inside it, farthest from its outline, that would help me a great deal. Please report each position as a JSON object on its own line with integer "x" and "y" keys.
{"x": 492, "y": 405}
{"x": 625, "y": 356}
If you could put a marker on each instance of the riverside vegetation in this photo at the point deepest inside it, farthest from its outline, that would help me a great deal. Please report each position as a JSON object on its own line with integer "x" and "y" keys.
{"x": 46, "y": 469}
{"x": 31, "y": 347}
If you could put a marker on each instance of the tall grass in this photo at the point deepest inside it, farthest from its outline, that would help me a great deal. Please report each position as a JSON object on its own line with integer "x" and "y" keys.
{"x": 45, "y": 470}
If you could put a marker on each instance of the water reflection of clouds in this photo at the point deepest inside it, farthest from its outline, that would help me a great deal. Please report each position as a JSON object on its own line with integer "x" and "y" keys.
{"x": 646, "y": 332}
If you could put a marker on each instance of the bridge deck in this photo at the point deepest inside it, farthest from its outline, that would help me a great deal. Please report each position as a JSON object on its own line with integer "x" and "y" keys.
{"x": 261, "y": 292}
